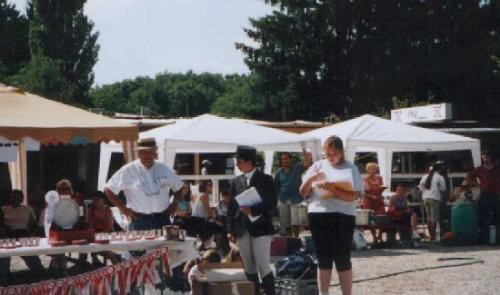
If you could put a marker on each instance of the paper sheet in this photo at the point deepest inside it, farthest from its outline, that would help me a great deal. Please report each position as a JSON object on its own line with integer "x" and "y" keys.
{"x": 249, "y": 198}
{"x": 341, "y": 178}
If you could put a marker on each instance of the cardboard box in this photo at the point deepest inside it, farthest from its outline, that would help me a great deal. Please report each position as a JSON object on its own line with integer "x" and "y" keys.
{"x": 225, "y": 272}
{"x": 223, "y": 288}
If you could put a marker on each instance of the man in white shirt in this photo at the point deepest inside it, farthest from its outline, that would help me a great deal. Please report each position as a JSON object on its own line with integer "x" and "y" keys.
{"x": 146, "y": 184}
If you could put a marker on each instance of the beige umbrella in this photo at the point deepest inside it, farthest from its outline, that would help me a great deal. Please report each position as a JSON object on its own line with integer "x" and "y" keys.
{"x": 23, "y": 114}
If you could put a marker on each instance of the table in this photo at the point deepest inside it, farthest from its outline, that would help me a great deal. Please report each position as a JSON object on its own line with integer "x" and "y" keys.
{"x": 179, "y": 251}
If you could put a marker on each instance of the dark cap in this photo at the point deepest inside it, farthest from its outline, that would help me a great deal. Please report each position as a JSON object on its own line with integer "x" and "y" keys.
{"x": 146, "y": 144}
{"x": 246, "y": 152}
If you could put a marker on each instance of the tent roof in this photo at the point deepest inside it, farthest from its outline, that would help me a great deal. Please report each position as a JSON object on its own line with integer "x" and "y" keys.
{"x": 211, "y": 132}
{"x": 23, "y": 114}
{"x": 368, "y": 128}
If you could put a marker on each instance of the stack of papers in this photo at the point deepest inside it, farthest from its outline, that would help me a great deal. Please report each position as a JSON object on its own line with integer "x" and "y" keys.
{"x": 342, "y": 179}
{"x": 249, "y": 198}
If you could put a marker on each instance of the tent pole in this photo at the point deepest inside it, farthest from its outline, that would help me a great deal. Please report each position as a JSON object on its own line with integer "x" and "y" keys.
{"x": 21, "y": 169}
{"x": 128, "y": 151}
{"x": 14, "y": 175}
{"x": 196, "y": 164}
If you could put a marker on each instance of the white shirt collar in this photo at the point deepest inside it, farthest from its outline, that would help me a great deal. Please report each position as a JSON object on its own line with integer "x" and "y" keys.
{"x": 249, "y": 174}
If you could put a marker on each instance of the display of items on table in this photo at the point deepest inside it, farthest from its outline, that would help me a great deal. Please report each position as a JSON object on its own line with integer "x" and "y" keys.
{"x": 21, "y": 242}
{"x": 65, "y": 220}
{"x": 103, "y": 238}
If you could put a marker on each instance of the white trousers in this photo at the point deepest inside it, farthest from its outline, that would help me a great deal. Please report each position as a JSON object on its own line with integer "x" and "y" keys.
{"x": 255, "y": 252}
{"x": 285, "y": 216}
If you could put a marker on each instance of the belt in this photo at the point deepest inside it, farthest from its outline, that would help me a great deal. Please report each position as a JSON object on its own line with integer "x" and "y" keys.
{"x": 151, "y": 215}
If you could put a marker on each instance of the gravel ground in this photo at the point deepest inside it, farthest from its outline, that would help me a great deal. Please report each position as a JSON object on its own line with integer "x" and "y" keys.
{"x": 403, "y": 271}
{"x": 420, "y": 271}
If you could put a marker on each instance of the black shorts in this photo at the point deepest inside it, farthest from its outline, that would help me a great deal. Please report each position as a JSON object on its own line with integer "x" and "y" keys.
{"x": 332, "y": 235}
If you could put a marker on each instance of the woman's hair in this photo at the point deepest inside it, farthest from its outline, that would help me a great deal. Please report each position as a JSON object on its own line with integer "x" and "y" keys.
{"x": 436, "y": 167}
{"x": 99, "y": 195}
{"x": 64, "y": 184}
{"x": 16, "y": 196}
{"x": 212, "y": 256}
{"x": 370, "y": 165}
{"x": 202, "y": 188}
{"x": 334, "y": 142}
{"x": 187, "y": 197}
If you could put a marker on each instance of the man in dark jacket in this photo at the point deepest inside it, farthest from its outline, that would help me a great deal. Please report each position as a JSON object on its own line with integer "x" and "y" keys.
{"x": 252, "y": 227}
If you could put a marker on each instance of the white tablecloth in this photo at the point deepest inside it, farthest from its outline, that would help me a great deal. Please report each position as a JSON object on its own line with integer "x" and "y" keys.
{"x": 179, "y": 251}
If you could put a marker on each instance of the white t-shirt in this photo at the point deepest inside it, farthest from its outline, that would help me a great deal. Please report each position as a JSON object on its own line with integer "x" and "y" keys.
{"x": 146, "y": 190}
{"x": 318, "y": 205}
{"x": 198, "y": 209}
{"x": 438, "y": 185}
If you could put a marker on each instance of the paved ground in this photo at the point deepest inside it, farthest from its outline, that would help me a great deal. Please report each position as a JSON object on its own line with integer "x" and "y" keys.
{"x": 464, "y": 270}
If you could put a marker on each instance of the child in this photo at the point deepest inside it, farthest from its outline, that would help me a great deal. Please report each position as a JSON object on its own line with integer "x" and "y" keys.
{"x": 197, "y": 272}
{"x": 100, "y": 218}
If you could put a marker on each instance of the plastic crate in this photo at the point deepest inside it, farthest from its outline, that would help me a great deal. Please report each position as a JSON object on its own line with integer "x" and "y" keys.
{"x": 296, "y": 287}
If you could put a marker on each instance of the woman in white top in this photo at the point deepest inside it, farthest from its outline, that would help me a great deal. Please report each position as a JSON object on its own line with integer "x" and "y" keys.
{"x": 203, "y": 217}
{"x": 433, "y": 185}
{"x": 332, "y": 209}
{"x": 201, "y": 206}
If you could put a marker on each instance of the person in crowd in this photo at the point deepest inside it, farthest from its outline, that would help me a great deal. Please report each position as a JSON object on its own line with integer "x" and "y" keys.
{"x": 184, "y": 206}
{"x": 372, "y": 198}
{"x": 197, "y": 272}
{"x": 205, "y": 167}
{"x": 201, "y": 209}
{"x": 287, "y": 181}
{"x": 201, "y": 206}
{"x": 100, "y": 218}
{"x": 4, "y": 263}
{"x": 58, "y": 262}
{"x": 252, "y": 227}
{"x": 488, "y": 177}
{"x": 221, "y": 217}
{"x": 146, "y": 184}
{"x": 332, "y": 210}
{"x": 18, "y": 221}
{"x": 400, "y": 213}
{"x": 433, "y": 186}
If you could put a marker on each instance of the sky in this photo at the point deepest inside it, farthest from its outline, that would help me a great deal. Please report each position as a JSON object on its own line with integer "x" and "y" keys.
{"x": 146, "y": 37}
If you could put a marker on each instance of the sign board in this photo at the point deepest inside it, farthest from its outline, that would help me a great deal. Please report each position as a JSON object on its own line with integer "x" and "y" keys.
{"x": 428, "y": 113}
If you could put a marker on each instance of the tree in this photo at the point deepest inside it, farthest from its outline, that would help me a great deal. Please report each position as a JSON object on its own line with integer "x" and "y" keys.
{"x": 43, "y": 75}
{"x": 14, "y": 50}
{"x": 240, "y": 100}
{"x": 59, "y": 30}
{"x": 350, "y": 57}
{"x": 168, "y": 94}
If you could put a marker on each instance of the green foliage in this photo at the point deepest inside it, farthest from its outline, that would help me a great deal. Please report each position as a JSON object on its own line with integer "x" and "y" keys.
{"x": 168, "y": 94}
{"x": 239, "y": 99}
{"x": 14, "y": 51}
{"x": 350, "y": 57}
{"x": 60, "y": 31}
{"x": 43, "y": 75}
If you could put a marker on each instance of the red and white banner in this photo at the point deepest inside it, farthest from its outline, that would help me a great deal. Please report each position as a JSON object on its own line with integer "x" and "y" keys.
{"x": 141, "y": 272}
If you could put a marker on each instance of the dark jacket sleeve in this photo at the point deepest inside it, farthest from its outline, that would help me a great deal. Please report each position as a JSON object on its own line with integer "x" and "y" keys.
{"x": 267, "y": 191}
{"x": 233, "y": 208}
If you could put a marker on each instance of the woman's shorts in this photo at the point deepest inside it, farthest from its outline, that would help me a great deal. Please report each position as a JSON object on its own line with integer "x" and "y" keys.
{"x": 332, "y": 235}
{"x": 432, "y": 210}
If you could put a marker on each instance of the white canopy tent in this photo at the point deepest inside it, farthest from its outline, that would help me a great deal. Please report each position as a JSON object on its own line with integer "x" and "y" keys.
{"x": 373, "y": 134}
{"x": 212, "y": 134}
